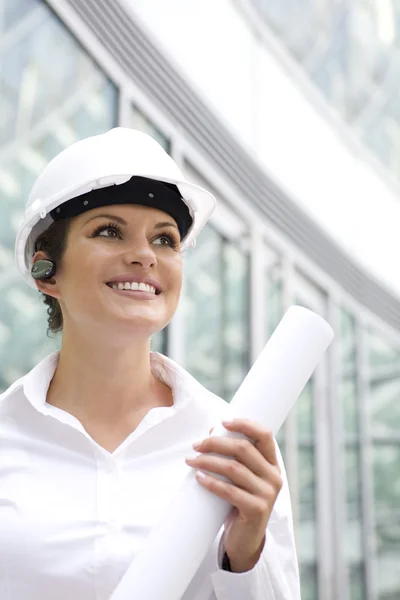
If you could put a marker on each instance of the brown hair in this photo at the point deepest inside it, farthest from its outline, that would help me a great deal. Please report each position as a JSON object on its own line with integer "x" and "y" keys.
{"x": 53, "y": 242}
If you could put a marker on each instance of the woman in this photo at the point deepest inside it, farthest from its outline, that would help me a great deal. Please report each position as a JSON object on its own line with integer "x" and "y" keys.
{"x": 98, "y": 437}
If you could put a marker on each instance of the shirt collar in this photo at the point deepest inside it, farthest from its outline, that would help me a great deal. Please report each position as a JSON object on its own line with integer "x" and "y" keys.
{"x": 185, "y": 388}
{"x": 37, "y": 381}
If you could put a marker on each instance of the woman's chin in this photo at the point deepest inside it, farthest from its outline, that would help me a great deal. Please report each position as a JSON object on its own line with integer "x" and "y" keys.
{"x": 139, "y": 322}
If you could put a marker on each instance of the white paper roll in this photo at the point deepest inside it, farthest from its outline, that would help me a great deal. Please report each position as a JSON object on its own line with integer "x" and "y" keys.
{"x": 277, "y": 378}
{"x": 177, "y": 546}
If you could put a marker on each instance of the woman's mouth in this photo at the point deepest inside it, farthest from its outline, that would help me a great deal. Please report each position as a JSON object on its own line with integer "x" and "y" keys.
{"x": 134, "y": 286}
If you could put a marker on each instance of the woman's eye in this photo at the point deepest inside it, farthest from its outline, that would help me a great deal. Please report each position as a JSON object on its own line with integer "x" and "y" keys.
{"x": 108, "y": 231}
{"x": 165, "y": 240}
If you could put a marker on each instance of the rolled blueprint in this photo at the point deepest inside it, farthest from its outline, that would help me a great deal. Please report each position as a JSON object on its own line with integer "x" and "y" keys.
{"x": 179, "y": 543}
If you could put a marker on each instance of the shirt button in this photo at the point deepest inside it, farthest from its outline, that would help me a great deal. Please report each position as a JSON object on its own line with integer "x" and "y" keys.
{"x": 111, "y": 467}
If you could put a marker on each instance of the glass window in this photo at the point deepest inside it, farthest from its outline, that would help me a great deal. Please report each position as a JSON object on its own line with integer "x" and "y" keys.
{"x": 307, "y": 503}
{"x": 387, "y": 514}
{"x": 385, "y": 428}
{"x": 357, "y": 590}
{"x": 33, "y": 91}
{"x": 308, "y": 575}
{"x": 274, "y": 290}
{"x": 349, "y": 50}
{"x": 15, "y": 11}
{"x": 159, "y": 342}
{"x": 235, "y": 313}
{"x": 216, "y": 313}
{"x": 274, "y": 308}
{"x": 384, "y": 407}
{"x": 306, "y": 533}
{"x": 307, "y": 526}
{"x": 42, "y": 110}
{"x": 139, "y": 121}
{"x": 309, "y": 295}
{"x": 353, "y": 484}
{"x": 203, "y": 310}
{"x": 352, "y": 456}
{"x": 305, "y": 412}
{"x": 354, "y": 530}
{"x": 348, "y": 372}
{"x": 23, "y": 340}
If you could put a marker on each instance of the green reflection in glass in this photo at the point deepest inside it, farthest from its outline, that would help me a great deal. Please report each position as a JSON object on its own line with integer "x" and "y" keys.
{"x": 33, "y": 91}
{"x": 357, "y": 588}
{"x": 235, "y": 318}
{"x": 384, "y": 407}
{"x": 352, "y": 457}
{"x": 159, "y": 342}
{"x": 385, "y": 421}
{"x": 305, "y": 412}
{"x": 354, "y": 526}
{"x": 348, "y": 384}
{"x": 23, "y": 340}
{"x": 308, "y": 579}
{"x": 307, "y": 529}
{"x": 387, "y": 517}
{"x": 350, "y": 405}
{"x": 274, "y": 304}
{"x": 386, "y": 478}
{"x": 44, "y": 109}
{"x": 139, "y": 121}
{"x": 274, "y": 312}
{"x": 388, "y": 575}
{"x": 203, "y": 310}
{"x": 307, "y": 526}
{"x": 280, "y": 438}
{"x": 347, "y": 339}
{"x": 384, "y": 395}
{"x": 353, "y": 482}
{"x": 382, "y": 352}
{"x": 307, "y": 488}
{"x": 216, "y": 313}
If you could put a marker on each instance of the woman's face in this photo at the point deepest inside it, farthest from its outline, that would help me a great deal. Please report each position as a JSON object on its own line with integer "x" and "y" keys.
{"x": 112, "y": 251}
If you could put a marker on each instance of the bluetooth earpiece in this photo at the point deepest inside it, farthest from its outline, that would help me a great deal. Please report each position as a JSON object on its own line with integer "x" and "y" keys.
{"x": 43, "y": 269}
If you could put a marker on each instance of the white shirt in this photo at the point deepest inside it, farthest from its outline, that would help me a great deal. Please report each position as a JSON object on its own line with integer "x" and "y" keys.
{"x": 73, "y": 516}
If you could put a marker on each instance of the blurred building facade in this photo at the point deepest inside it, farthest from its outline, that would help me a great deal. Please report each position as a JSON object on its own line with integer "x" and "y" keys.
{"x": 354, "y": 60}
{"x": 218, "y": 84}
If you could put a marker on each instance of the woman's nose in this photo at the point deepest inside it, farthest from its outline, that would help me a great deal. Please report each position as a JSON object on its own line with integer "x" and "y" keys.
{"x": 141, "y": 252}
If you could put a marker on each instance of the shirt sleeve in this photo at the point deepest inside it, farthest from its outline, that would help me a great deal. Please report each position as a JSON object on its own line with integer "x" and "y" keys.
{"x": 276, "y": 574}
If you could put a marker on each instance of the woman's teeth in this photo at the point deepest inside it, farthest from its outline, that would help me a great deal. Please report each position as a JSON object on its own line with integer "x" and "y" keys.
{"x": 141, "y": 287}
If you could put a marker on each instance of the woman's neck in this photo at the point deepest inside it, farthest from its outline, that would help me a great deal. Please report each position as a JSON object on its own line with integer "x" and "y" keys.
{"x": 106, "y": 382}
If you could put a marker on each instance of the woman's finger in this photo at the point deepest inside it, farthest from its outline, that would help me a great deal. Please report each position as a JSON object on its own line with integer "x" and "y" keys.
{"x": 261, "y": 437}
{"x": 248, "y": 505}
{"x": 235, "y": 472}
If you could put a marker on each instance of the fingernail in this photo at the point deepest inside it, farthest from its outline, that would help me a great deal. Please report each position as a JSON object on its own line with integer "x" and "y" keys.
{"x": 228, "y": 422}
{"x": 190, "y": 458}
{"x": 196, "y": 445}
{"x": 200, "y": 475}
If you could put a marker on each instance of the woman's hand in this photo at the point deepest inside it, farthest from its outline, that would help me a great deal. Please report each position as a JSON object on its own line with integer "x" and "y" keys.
{"x": 255, "y": 477}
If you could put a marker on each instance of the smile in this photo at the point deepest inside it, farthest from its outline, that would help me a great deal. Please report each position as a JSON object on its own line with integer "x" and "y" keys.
{"x": 133, "y": 286}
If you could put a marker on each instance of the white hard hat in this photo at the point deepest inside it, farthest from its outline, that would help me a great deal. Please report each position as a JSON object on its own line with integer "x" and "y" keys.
{"x": 98, "y": 162}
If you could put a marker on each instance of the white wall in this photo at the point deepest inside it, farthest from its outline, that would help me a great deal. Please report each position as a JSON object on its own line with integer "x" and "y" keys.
{"x": 233, "y": 70}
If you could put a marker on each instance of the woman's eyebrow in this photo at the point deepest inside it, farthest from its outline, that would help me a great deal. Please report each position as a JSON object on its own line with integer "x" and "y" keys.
{"x": 108, "y": 216}
{"x": 165, "y": 224}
